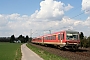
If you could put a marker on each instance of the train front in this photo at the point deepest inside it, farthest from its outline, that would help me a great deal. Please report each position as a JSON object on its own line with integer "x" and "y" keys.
{"x": 72, "y": 39}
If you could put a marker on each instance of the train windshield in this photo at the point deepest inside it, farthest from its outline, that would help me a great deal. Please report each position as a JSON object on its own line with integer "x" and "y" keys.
{"x": 72, "y": 35}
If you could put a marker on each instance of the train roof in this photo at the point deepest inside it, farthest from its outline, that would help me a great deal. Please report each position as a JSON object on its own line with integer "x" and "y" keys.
{"x": 57, "y": 33}
{"x": 61, "y": 31}
{"x": 71, "y": 31}
{"x": 66, "y": 31}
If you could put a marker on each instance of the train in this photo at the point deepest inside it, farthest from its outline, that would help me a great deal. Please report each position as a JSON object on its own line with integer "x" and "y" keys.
{"x": 62, "y": 39}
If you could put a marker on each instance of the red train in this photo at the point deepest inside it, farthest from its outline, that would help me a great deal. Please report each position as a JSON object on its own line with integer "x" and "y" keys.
{"x": 63, "y": 39}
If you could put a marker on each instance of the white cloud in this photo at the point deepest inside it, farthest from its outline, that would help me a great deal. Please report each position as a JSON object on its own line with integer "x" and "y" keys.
{"x": 25, "y": 24}
{"x": 68, "y": 7}
{"x": 86, "y": 6}
{"x": 12, "y": 23}
{"x": 50, "y": 9}
{"x": 3, "y": 20}
{"x": 43, "y": 20}
{"x": 87, "y": 22}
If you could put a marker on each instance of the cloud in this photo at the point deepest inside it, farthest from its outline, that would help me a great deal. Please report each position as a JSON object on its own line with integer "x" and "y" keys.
{"x": 52, "y": 10}
{"x": 12, "y": 23}
{"x": 22, "y": 24}
{"x": 86, "y": 6}
{"x": 49, "y": 17}
{"x": 73, "y": 24}
{"x": 68, "y": 7}
{"x": 87, "y": 22}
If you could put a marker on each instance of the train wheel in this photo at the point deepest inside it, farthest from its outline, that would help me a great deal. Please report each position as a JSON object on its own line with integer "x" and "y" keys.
{"x": 46, "y": 45}
{"x": 62, "y": 48}
{"x": 58, "y": 47}
{"x": 74, "y": 48}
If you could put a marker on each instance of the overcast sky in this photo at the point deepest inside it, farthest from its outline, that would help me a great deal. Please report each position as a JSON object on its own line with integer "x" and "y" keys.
{"x": 39, "y": 17}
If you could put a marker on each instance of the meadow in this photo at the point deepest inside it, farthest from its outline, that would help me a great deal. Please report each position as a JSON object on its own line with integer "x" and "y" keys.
{"x": 10, "y": 51}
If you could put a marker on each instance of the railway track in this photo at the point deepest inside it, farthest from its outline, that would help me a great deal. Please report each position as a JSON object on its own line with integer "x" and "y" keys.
{"x": 81, "y": 54}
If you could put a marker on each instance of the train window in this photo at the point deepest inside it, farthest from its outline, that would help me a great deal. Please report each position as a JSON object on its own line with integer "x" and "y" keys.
{"x": 44, "y": 38}
{"x": 54, "y": 37}
{"x": 51, "y": 38}
{"x": 63, "y": 36}
{"x": 48, "y": 38}
{"x": 58, "y": 36}
{"x": 72, "y": 36}
{"x": 38, "y": 38}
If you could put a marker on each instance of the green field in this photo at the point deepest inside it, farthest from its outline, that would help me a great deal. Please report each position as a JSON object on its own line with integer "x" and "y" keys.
{"x": 10, "y": 51}
{"x": 44, "y": 54}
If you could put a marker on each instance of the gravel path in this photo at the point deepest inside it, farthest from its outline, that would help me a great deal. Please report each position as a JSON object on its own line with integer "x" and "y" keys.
{"x": 28, "y": 54}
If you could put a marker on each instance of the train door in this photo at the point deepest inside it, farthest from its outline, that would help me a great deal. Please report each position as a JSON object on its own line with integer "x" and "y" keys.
{"x": 42, "y": 39}
{"x": 62, "y": 37}
{"x": 59, "y": 37}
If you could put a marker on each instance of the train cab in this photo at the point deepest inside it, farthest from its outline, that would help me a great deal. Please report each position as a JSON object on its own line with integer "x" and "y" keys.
{"x": 72, "y": 39}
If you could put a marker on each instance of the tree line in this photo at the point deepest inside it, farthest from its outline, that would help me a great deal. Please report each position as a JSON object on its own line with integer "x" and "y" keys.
{"x": 13, "y": 39}
{"x": 4, "y": 39}
{"x": 84, "y": 41}
{"x": 20, "y": 39}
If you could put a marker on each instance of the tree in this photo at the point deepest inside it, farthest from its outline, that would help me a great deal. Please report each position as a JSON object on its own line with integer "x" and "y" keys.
{"x": 85, "y": 42}
{"x": 81, "y": 35}
{"x": 88, "y": 41}
{"x": 30, "y": 39}
{"x": 21, "y": 38}
{"x": 27, "y": 38}
{"x": 81, "y": 38}
{"x": 12, "y": 39}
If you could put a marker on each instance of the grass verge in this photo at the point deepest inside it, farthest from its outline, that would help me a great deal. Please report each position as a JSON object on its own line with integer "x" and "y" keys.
{"x": 44, "y": 54}
{"x": 10, "y": 51}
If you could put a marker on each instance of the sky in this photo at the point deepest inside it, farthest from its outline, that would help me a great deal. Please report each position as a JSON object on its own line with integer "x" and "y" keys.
{"x": 39, "y": 17}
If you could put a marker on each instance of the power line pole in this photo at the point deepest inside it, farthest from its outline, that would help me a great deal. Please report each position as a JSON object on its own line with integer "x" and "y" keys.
{"x": 50, "y": 31}
{"x": 31, "y": 33}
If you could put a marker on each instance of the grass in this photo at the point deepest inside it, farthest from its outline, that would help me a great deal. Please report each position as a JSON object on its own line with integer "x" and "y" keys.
{"x": 10, "y": 51}
{"x": 44, "y": 54}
